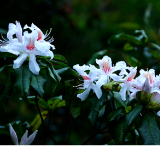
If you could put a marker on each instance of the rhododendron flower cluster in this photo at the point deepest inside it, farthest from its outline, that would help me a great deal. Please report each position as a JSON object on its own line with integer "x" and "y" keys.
{"x": 147, "y": 82}
{"x": 27, "y": 44}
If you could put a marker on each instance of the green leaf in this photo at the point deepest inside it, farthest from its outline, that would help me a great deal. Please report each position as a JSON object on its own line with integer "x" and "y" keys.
{"x": 42, "y": 103}
{"x": 56, "y": 102}
{"x": 53, "y": 73}
{"x": 37, "y": 82}
{"x": 128, "y": 38}
{"x": 128, "y": 47}
{"x": 6, "y": 54}
{"x": 95, "y": 107}
{"x": 35, "y": 124}
{"x": 149, "y": 130}
{"x": 114, "y": 114}
{"x": 117, "y": 97}
{"x": 132, "y": 61}
{"x": 60, "y": 57}
{"x": 22, "y": 84}
{"x": 122, "y": 128}
{"x": 6, "y": 66}
{"x": 99, "y": 54}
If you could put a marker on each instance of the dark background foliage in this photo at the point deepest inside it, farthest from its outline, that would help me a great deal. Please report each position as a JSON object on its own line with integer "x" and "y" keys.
{"x": 80, "y": 29}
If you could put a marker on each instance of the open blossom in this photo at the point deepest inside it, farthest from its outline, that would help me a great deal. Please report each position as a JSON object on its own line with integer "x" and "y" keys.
{"x": 25, "y": 140}
{"x": 140, "y": 81}
{"x": 106, "y": 71}
{"x": 89, "y": 80}
{"x": 127, "y": 83}
{"x": 27, "y": 45}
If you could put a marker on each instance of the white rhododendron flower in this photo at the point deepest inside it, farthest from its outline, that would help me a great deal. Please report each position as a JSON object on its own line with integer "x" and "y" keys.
{"x": 127, "y": 83}
{"x": 89, "y": 80}
{"x": 27, "y": 45}
{"x": 106, "y": 71}
{"x": 25, "y": 140}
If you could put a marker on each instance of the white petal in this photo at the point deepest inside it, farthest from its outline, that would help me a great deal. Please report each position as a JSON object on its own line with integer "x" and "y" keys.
{"x": 11, "y": 31}
{"x": 24, "y": 138}
{"x": 13, "y": 134}
{"x": 33, "y": 65}
{"x": 115, "y": 77}
{"x": 102, "y": 80}
{"x": 97, "y": 90}
{"x": 18, "y": 62}
{"x": 85, "y": 94}
{"x": 31, "y": 138}
{"x": 123, "y": 91}
{"x": 158, "y": 113}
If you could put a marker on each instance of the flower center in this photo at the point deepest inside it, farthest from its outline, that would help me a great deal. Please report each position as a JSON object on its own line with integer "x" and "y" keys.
{"x": 149, "y": 76}
{"x": 105, "y": 67}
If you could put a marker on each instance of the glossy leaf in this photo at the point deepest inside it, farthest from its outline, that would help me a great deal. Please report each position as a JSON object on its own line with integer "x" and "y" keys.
{"x": 22, "y": 84}
{"x": 95, "y": 107}
{"x": 149, "y": 130}
{"x": 114, "y": 114}
{"x": 60, "y": 57}
{"x": 123, "y": 126}
{"x": 117, "y": 97}
{"x": 37, "y": 82}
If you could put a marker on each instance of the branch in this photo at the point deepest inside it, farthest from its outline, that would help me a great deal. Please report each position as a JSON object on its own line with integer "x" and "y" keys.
{"x": 36, "y": 101}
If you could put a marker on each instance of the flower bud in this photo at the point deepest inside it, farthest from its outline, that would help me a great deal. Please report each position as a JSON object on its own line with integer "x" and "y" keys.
{"x": 146, "y": 91}
{"x": 154, "y": 103}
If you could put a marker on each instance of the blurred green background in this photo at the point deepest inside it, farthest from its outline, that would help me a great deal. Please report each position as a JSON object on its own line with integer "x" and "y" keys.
{"x": 80, "y": 29}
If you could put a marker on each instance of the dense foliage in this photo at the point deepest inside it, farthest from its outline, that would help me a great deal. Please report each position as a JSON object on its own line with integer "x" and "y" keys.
{"x": 80, "y": 29}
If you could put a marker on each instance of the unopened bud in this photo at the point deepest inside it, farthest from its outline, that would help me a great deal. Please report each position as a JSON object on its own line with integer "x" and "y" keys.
{"x": 146, "y": 91}
{"x": 154, "y": 103}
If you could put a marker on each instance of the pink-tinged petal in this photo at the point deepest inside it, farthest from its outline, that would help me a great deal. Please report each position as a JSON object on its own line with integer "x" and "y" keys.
{"x": 13, "y": 135}
{"x": 24, "y": 138}
{"x": 85, "y": 94}
{"x": 105, "y": 64}
{"x": 123, "y": 91}
{"x": 33, "y": 65}
{"x": 97, "y": 90}
{"x": 31, "y": 138}
{"x": 132, "y": 74}
{"x": 81, "y": 69}
{"x": 19, "y": 61}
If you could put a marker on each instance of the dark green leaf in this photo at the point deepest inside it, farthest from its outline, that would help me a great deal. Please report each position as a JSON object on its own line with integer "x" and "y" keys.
{"x": 149, "y": 130}
{"x": 117, "y": 97}
{"x": 123, "y": 126}
{"x": 60, "y": 57}
{"x": 114, "y": 114}
{"x": 5, "y": 55}
{"x": 37, "y": 82}
{"x": 22, "y": 83}
{"x": 131, "y": 60}
{"x": 6, "y": 66}
{"x": 95, "y": 107}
